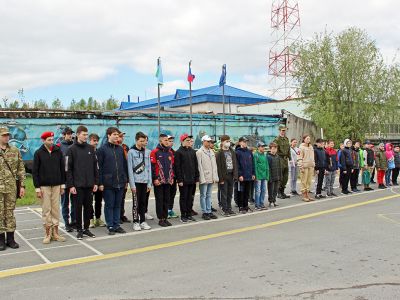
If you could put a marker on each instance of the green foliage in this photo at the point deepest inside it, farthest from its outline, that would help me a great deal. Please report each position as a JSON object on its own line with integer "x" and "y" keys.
{"x": 30, "y": 194}
{"x": 40, "y": 104}
{"x": 56, "y": 104}
{"x": 346, "y": 84}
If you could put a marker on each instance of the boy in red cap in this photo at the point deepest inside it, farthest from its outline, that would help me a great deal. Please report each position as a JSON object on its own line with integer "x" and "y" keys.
{"x": 48, "y": 174}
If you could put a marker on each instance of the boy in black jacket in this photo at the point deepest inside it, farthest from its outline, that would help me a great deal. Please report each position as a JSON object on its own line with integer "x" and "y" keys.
{"x": 48, "y": 174}
{"x": 275, "y": 174}
{"x": 346, "y": 166}
{"x": 187, "y": 175}
{"x": 82, "y": 179}
{"x": 321, "y": 164}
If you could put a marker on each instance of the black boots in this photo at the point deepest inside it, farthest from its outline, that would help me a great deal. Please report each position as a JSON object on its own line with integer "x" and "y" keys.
{"x": 11, "y": 241}
{"x": 2, "y": 241}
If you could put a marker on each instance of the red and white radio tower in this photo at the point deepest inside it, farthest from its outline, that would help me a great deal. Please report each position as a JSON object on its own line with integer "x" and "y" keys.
{"x": 285, "y": 23}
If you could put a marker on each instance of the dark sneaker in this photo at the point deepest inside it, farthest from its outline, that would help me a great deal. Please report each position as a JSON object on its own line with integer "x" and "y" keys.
{"x": 191, "y": 219}
{"x": 162, "y": 223}
{"x": 294, "y": 193}
{"x": 345, "y": 192}
{"x": 231, "y": 212}
{"x": 184, "y": 220}
{"x": 205, "y": 216}
{"x": 111, "y": 231}
{"x": 213, "y": 209}
{"x": 262, "y": 207}
{"x": 194, "y": 213}
{"x": 225, "y": 214}
{"x": 88, "y": 233}
{"x": 68, "y": 228}
{"x": 120, "y": 230}
{"x": 79, "y": 236}
{"x": 212, "y": 216}
{"x": 168, "y": 223}
{"x": 243, "y": 210}
{"x": 275, "y": 204}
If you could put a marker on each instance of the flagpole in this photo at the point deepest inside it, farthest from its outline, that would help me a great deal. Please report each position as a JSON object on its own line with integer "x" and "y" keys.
{"x": 223, "y": 107}
{"x": 190, "y": 100}
{"x": 158, "y": 108}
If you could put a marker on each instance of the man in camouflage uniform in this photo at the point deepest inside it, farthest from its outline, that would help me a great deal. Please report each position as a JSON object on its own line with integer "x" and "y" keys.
{"x": 284, "y": 154}
{"x": 11, "y": 169}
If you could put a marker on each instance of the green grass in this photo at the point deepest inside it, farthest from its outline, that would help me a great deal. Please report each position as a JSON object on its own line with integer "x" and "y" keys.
{"x": 30, "y": 195}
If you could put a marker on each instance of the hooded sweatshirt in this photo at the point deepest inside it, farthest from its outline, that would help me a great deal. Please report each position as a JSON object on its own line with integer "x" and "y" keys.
{"x": 346, "y": 160}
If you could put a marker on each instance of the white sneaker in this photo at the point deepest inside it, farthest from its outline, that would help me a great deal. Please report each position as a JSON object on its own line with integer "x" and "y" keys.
{"x": 145, "y": 226}
{"x": 136, "y": 227}
{"x": 148, "y": 217}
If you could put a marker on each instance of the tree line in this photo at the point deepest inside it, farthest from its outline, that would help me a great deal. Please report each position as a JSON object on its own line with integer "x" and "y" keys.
{"x": 89, "y": 104}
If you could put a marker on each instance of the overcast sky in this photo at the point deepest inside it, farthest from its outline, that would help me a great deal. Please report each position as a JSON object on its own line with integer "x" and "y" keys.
{"x": 73, "y": 49}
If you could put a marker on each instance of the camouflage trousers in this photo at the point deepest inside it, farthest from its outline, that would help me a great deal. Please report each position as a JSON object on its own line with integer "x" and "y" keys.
{"x": 7, "y": 218}
{"x": 285, "y": 174}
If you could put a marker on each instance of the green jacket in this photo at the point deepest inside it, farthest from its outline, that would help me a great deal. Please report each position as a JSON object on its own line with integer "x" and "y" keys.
{"x": 261, "y": 165}
{"x": 380, "y": 160}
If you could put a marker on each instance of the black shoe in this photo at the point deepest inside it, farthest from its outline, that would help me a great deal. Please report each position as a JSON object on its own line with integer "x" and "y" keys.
{"x": 79, "y": 235}
{"x": 2, "y": 241}
{"x": 382, "y": 187}
{"x": 111, "y": 231}
{"x": 275, "y": 204}
{"x": 212, "y": 216}
{"x": 225, "y": 214}
{"x": 168, "y": 223}
{"x": 162, "y": 223}
{"x": 295, "y": 193}
{"x": 190, "y": 218}
{"x": 231, "y": 212}
{"x": 88, "y": 233}
{"x": 184, "y": 220}
{"x": 68, "y": 228}
{"x": 242, "y": 210}
{"x": 345, "y": 192}
{"x": 205, "y": 216}
{"x": 194, "y": 213}
{"x": 11, "y": 241}
{"x": 125, "y": 219}
{"x": 213, "y": 209}
{"x": 120, "y": 230}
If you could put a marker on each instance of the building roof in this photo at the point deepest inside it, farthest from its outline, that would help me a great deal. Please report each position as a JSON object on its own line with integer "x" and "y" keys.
{"x": 209, "y": 94}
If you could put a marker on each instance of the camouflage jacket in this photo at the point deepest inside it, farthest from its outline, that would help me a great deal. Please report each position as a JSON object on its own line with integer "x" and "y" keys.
{"x": 7, "y": 179}
{"x": 283, "y": 147}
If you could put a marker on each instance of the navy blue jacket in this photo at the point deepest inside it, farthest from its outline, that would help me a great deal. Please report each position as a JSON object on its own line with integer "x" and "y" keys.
{"x": 245, "y": 163}
{"x": 113, "y": 167}
{"x": 346, "y": 161}
{"x": 321, "y": 159}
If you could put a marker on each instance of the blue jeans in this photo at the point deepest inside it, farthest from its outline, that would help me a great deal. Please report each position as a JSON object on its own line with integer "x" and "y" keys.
{"x": 260, "y": 192}
{"x": 388, "y": 174}
{"x": 65, "y": 200}
{"x": 205, "y": 197}
{"x": 112, "y": 206}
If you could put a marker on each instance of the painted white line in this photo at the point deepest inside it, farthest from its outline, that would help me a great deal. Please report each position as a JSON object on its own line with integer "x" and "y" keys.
{"x": 221, "y": 218}
{"x": 15, "y": 253}
{"x": 23, "y": 213}
{"x": 45, "y": 259}
{"x": 40, "y": 249}
{"x": 30, "y": 220}
{"x": 57, "y": 247}
{"x": 21, "y": 209}
{"x": 29, "y": 229}
{"x": 72, "y": 237}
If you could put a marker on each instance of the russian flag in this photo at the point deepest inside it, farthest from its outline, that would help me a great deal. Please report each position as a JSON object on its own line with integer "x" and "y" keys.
{"x": 190, "y": 76}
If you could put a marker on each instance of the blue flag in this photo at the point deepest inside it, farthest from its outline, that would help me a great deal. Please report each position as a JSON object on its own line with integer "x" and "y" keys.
{"x": 159, "y": 75}
{"x": 222, "y": 80}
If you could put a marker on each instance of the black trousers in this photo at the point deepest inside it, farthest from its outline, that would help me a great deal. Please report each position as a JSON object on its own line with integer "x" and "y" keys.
{"x": 354, "y": 178}
{"x": 162, "y": 193}
{"x": 345, "y": 179}
{"x": 98, "y": 199}
{"x": 185, "y": 199}
{"x": 395, "y": 174}
{"x": 226, "y": 191}
{"x": 139, "y": 203}
{"x": 172, "y": 196}
{"x": 123, "y": 203}
{"x": 147, "y": 201}
{"x": 244, "y": 192}
{"x": 193, "y": 194}
{"x": 236, "y": 193}
{"x": 83, "y": 204}
{"x": 373, "y": 174}
{"x": 320, "y": 180}
{"x": 273, "y": 187}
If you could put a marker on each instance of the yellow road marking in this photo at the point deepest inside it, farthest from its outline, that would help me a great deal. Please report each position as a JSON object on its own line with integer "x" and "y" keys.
{"x": 82, "y": 260}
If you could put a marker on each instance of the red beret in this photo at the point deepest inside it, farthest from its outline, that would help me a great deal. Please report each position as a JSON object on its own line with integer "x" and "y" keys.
{"x": 46, "y": 135}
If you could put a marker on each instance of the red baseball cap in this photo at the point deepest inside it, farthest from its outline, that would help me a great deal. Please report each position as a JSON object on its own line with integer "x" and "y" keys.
{"x": 184, "y": 137}
{"x": 46, "y": 135}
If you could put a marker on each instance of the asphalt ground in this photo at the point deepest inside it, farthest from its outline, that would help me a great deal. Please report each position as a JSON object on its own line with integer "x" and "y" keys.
{"x": 336, "y": 248}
